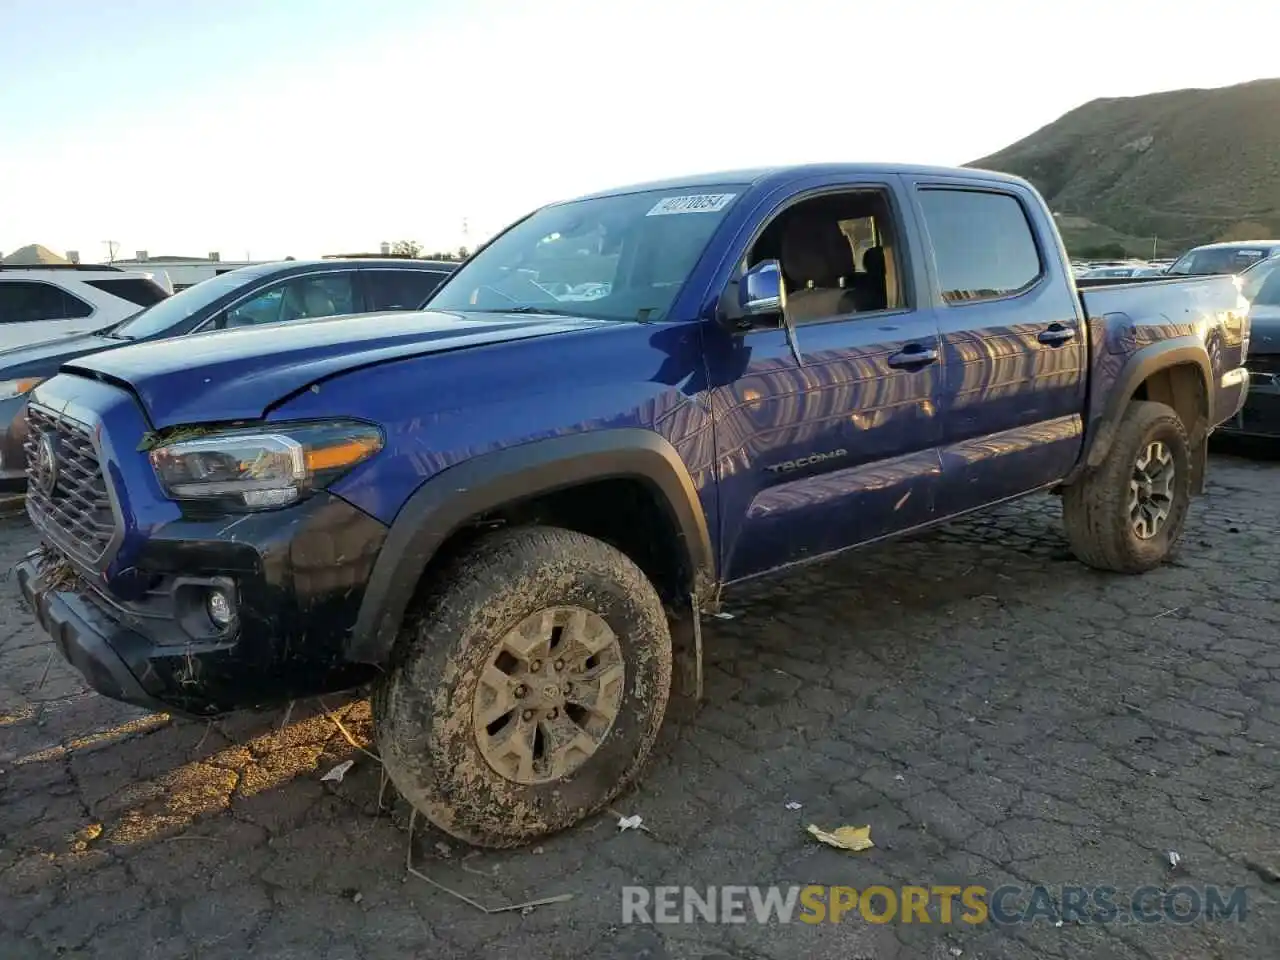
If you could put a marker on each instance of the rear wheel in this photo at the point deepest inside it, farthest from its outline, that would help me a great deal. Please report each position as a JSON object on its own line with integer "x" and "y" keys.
{"x": 528, "y": 691}
{"x": 1127, "y": 515}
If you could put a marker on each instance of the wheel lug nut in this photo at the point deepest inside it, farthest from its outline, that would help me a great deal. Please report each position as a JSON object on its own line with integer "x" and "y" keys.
{"x": 535, "y": 666}
{"x": 520, "y": 690}
{"x": 527, "y": 715}
{"x": 559, "y": 664}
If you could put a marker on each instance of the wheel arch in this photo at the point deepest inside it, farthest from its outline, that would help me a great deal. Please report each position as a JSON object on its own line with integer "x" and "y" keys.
{"x": 452, "y": 500}
{"x": 1175, "y": 372}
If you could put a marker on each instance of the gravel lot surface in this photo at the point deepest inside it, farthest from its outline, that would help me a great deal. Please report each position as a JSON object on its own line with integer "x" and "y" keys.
{"x": 996, "y": 712}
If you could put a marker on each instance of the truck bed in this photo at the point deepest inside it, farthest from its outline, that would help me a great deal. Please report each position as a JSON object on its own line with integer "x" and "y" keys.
{"x": 1131, "y": 316}
{"x": 1162, "y": 301}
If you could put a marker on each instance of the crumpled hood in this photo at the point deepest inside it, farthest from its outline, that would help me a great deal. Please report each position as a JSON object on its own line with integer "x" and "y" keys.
{"x": 239, "y": 374}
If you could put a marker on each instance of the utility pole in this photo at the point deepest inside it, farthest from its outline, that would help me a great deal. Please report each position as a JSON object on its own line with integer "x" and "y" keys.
{"x": 1154, "y": 240}
{"x": 112, "y": 247}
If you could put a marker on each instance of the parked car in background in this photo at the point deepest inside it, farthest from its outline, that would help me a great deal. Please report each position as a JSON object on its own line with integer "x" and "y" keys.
{"x": 248, "y": 296}
{"x": 621, "y": 407}
{"x": 1251, "y": 280}
{"x": 1260, "y": 416}
{"x": 1230, "y": 257}
{"x": 44, "y": 301}
{"x": 1127, "y": 271}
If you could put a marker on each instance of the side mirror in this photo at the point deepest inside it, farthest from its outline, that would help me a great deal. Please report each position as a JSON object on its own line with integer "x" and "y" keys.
{"x": 756, "y": 299}
{"x": 760, "y": 292}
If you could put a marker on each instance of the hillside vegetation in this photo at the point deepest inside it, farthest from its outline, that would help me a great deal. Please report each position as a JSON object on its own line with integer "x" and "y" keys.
{"x": 1187, "y": 166}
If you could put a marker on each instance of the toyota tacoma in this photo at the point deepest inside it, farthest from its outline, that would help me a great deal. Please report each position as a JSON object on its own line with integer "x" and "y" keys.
{"x": 506, "y": 513}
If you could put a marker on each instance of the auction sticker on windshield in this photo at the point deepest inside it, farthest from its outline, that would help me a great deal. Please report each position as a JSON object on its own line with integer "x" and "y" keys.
{"x": 691, "y": 203}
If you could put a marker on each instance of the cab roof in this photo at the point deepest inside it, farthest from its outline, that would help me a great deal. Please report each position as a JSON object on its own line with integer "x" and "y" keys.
{"x": 781, "y": 175}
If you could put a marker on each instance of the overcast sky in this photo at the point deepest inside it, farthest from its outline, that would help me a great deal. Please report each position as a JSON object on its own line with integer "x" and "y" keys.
{"x": 305, "y": 127}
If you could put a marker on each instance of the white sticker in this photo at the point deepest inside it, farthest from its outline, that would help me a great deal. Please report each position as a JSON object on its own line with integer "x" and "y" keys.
{"x": 692, "y": 203}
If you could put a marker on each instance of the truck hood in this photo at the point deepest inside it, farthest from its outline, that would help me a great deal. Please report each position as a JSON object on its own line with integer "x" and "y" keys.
{"x": 240, "y": 374}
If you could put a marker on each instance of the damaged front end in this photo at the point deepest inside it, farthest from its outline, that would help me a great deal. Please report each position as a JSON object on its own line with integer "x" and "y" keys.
{"x": 173, "y": 608}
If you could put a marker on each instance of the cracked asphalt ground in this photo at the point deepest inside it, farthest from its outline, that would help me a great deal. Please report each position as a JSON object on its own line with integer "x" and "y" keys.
{"x": 996, "y": 712}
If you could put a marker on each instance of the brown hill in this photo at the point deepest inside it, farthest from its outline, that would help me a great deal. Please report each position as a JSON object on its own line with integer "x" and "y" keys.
{"x": 31, "y": 254}
{"x": 1187, "y": 166}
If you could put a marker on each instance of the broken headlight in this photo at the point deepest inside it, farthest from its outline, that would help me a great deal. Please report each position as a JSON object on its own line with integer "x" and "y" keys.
{"x": 260, "y": 468}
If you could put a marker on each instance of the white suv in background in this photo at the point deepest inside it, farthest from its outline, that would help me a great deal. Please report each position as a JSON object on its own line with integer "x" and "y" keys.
{"x": 44, "y": 302}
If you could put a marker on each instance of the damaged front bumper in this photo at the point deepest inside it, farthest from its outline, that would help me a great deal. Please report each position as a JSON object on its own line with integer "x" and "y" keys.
{"x": 294, "y": 580}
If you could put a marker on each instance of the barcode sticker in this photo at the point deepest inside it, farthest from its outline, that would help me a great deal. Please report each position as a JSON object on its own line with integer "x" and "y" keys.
{"x": 691, "y": 203}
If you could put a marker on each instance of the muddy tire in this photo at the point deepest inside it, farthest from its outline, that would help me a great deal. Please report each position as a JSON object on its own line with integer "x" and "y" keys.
{"x": 521, "y": 618}
{"x": 1127, "y": 515}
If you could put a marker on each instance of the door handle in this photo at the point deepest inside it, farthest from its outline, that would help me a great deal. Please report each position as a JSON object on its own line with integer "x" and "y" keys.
{"x": 913, "y": 357}
{"x": 1056, "y": 335}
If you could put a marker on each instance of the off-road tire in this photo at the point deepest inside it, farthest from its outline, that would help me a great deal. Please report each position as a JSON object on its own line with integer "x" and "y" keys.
{"x": 1095, "y": 509}
{"x": 422, "y": 711}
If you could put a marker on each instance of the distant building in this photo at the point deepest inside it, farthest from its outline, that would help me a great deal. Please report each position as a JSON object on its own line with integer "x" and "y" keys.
{"x": 184, "y": 272}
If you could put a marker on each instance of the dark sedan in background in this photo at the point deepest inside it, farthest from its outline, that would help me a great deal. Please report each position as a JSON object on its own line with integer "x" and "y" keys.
{"x": 1260, "y": 416}
{"x": 264, "y": 293}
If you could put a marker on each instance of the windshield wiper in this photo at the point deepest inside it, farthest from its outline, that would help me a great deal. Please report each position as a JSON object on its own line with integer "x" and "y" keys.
{"x": 523, "y": 309}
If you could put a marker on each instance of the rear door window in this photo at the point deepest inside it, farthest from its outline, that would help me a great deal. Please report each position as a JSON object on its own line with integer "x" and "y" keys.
{"x": 400, "y": 289}
{"x": 27, "y": 301}
{"x": 137, "y": 290}
{"x": 982, "y": 243}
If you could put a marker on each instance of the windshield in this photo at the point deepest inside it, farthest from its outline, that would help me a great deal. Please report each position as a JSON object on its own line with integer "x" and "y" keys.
{"x": 1218, "y": 260}
{"x": 622, "y": 257}
{"x": 173, "y": 310}
{"x": 1253, "y": 279}
{"x": 1268, "y": 291}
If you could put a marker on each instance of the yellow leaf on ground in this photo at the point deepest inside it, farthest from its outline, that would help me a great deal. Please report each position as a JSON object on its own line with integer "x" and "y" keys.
{"x": 844, "y": 838}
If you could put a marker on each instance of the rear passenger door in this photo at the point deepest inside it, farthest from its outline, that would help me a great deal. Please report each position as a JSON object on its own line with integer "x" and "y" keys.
{"x": 399, "y": 289}
{"x": 1014, "y": 359}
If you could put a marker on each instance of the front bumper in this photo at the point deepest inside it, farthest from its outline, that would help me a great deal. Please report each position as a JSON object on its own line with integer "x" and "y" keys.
{"x": 297, "y": 576}
{"x": 1260, "y": 415}
{"x": 86, "y": 638}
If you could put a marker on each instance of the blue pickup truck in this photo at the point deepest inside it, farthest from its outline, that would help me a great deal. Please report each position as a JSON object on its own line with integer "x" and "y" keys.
{"x": 507, "y": 512}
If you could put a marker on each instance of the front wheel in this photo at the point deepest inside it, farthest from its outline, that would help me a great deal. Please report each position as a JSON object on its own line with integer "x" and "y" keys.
{"x": 1127, "y": 515}
{"x": 529, "y": 688}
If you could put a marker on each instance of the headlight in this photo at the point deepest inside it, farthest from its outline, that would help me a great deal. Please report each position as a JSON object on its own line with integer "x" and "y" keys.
{"x": 9, "y": 389}
{"x": 265, "y": 467}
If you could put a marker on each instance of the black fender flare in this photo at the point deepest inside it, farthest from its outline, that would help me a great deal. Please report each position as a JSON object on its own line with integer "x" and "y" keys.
{"x": 448, "y": 500}
{"x": 1148, "y": 361}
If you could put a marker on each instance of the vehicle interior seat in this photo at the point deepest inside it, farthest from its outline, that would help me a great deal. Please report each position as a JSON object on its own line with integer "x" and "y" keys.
{"x": 816, "y": 260}
{"x": 317, "y": 303}
{"x": 873, "y": 283}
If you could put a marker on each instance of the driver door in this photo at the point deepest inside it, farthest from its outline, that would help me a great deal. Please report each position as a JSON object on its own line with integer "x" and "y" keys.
{"x": 834, "y": 442}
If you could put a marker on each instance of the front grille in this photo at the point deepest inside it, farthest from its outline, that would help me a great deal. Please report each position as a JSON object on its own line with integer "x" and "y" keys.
{"x": 1265, "y": 363}
{"x": 76, "y": 512}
